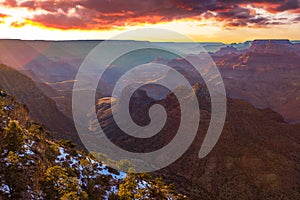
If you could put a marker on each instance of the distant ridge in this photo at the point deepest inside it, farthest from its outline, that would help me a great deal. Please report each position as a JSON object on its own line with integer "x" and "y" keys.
{"x": 277, "y": 41}
{"x": 42, "y": 108}
{"x": 100, "y": 40}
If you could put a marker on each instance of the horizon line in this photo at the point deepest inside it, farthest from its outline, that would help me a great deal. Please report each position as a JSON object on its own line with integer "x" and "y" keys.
{"x": 100, "y": 40}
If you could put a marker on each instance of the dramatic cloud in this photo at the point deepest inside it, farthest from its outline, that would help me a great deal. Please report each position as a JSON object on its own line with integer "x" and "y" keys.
{"x": 288, "y": 5}
{"x": 11, "y": 3}
{"x": 107, "y": 14}
{"x": 17, "y": 24}
{"x": 297, "y": 19}
{"x": 3, "y": 15}
{"x": 2, "y": 18}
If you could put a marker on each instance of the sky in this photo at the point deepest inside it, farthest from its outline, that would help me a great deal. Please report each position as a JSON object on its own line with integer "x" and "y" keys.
{"x": 225, "y": 21}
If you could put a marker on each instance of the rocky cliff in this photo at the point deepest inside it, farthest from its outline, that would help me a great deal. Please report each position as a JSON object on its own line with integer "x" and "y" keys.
{"x": 255, "y": 158}
{"x": 42, "y": 108}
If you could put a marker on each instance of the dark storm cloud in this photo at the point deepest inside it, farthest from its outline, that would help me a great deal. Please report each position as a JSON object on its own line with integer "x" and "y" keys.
{"x": 288, "y": 5}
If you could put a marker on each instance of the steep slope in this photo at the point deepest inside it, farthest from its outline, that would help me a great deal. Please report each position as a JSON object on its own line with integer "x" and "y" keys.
{"x": 263, "y": 72}
{"x": 261, "y": 56}
{"x": 255, "y": 158}
{"x": 35, "y": 166}
{"x": 42, "y": 108}
{"x": 266, "y": 74}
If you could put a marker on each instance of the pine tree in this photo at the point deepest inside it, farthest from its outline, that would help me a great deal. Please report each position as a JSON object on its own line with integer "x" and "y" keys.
{"x": 58, "y": 183}
{"x": 14, "y": 137}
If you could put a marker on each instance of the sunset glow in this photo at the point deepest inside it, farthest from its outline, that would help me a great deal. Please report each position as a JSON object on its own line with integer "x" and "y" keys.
{"x": 89, "y": 19}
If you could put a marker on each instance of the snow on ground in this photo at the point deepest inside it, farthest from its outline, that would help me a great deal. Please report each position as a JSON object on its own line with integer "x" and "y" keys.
{"x": 5, "y": 189}
{"x": 95, "y": 168}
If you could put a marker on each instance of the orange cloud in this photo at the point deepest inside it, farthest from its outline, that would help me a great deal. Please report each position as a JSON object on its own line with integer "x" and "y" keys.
{"x": 17, "y": 24}
{"x": 3, "y": 16}
{"x": 106, "y": 15}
